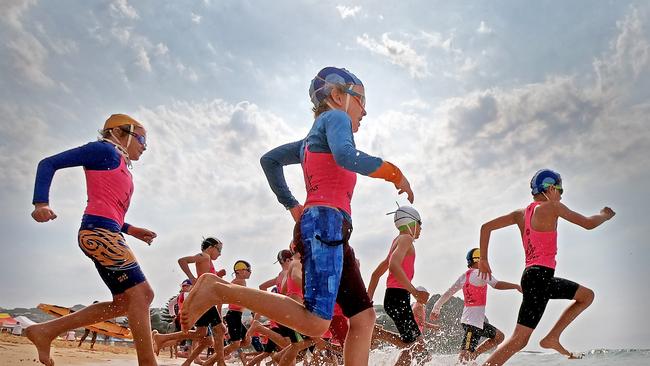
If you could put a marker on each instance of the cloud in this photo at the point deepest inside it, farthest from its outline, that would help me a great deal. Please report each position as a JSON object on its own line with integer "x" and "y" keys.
{"x": 121, "y": 8}
{"x": 346, "y": 11}
{"x": 398, "y": 53}
{"x": 29, "y": 54}
{"x": 142, "y": 59}
{"x": 196, "y": 18}
{"x": 484, "y": 29}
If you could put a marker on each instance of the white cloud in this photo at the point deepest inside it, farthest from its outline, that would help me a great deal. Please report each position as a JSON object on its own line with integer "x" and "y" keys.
{"x": 142, "y": 59}
{"x": 196, "y": 18}
{"x": 121, "y": 8}
{"x": 161, "y": 49}
{"x": 437, "y": 40}
{"x": 398, "y": 53}
{"x": 347, "y": 11}
{"x": 484, "y": 29}
{"x": 29, "y": 54}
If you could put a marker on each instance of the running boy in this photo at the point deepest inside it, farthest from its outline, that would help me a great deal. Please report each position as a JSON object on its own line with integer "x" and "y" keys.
{"x": 110, "y": 186}
{"x": 473, "y": 318}
{"x": 210, "y": 250}
{"x": 400, "y": 264}
{"x": 537, "y": 224}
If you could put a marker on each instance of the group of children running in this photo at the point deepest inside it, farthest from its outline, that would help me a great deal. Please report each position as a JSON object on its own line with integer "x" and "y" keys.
{"x": 321, "y": 292}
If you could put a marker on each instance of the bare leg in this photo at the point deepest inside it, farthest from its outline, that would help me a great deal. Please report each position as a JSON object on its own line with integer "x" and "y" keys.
{"x": 487, "y": 345}
{"x": 357, "y": 343}
{"x": 382, "y": 334}
{"x": 42, "y": 334}
{"x": 278, "y": 339}
{"x": 404, "y": 358}
{"x": 83, "y": 337}
{"x": 289, "y": 356}
{"x": 210, "y": 290}
{"x": 257, "y": 359}
{"x": 92, "y": 340}
{"x": 139, "y": 298}
{"x": 514, "y": 344}
{"x": 219, "y": 350}
{"x": 160, "y": 340}
{"x": 197, "y": 351}
{"x": 583, "y": 298}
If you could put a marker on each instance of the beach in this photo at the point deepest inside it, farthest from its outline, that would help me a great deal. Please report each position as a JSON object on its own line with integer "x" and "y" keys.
{"x": 15, "y": 350}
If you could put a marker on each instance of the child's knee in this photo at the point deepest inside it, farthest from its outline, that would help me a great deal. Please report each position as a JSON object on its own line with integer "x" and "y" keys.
{"x": 365, "y": 318}
{"x": 585, "y": 295}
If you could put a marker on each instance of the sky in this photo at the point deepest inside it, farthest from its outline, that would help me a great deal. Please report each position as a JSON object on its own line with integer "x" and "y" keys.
{"x": 468, "y": 98}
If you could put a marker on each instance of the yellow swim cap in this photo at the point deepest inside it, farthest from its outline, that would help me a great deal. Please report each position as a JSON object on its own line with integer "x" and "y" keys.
{"x": 241, "y": 264}
{"x": 117, "y": 120}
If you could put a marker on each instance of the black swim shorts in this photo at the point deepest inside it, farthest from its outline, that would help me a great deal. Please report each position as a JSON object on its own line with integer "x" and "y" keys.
{"x": 397, "y": 303}
{"x": 538, "y": 286}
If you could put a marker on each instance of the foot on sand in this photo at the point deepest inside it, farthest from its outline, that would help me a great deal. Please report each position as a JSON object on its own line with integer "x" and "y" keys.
{"x": 200, "y": 299}
{"x": 36, "y": 335}
{"x": 554, "y": 343}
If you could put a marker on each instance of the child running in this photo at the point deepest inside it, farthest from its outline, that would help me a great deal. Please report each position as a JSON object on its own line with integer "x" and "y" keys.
{"x": 537, "y": 224}
{"x": 400, "y": 264}
{"x": 210, "y": 250}
{"x": 236, "y": 328}
{"x": 110, "y": 185}
{"x": 330, "y": 163}
{"x": 473, "y": 319}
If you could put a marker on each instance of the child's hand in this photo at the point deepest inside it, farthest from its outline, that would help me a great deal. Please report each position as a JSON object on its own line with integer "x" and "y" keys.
{"x": 421, "y": 296}
{"x": 296, "y": 212}
{"x": 221, "y": 273}
{"x": 607, "y": 212}
{"x": 43, "y": 213}
{"x": 433, "y": 316}
{"x": 145, "y": 235}
{"x": 518, "y": 288}
{"x": 405, "y": 187}
{"x": 484, "y": 269}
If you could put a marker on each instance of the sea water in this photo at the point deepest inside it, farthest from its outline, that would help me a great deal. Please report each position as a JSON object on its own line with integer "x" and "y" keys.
{"x": 596, "y": 357}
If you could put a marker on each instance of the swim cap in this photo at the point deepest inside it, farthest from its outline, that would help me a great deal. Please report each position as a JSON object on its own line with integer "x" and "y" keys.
{"x": 321, "y": 86}
{"x": 283, "y": 255}
{"x": 543, "y": 179}
{"x": 405, "y": 216}
{"x": 186, "y": 282}
{"x": 241, "y": 264}
{"x": 473, "y": 256}
{"x": 210, "y": 242}
{"x": 117, "y": 120}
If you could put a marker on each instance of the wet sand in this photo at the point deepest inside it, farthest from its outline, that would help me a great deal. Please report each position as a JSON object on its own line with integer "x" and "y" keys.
{"x": 15, "y": 350}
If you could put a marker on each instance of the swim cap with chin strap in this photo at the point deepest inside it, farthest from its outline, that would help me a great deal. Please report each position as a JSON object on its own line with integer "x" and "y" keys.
{"x": 241, "y": 264}
{"x": 118, "y": 120}
{"x": 543, "y": 179}
{"x": 406, "y": 217}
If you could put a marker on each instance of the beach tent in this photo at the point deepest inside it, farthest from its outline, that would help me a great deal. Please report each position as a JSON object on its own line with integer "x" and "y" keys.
{"x": 7, "y": 320}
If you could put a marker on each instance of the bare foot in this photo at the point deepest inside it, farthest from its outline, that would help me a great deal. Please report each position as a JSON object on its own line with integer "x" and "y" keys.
{"x": 200, "y": 299}
{"x": 554, "y": 343}
{"x": 155, "y": 337}
{"x": 36, "y": 335}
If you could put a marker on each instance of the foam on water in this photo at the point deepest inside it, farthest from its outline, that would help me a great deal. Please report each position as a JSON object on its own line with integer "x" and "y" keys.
{"x": 596, "y": 357}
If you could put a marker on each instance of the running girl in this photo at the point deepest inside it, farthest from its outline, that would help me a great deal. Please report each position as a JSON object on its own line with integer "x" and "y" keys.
{"x": 330, "y": 162}
{"x": 473, "y": 318}
{"x": 110, "y": 186}
{"x": 537, "y": 224}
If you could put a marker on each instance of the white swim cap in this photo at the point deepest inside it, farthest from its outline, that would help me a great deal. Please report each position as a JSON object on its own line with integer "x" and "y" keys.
{"x": 406, "y": 215}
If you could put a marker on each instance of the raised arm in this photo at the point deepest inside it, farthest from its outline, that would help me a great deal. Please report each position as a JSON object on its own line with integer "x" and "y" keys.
{"x": 202, "y": 265}
{"x": 486, "y": 230}
{"x": 269, "y": 283}
{"x": 376, "y": 275}
{"x": 503, "y": 285}
{"x": 588, "y": 223}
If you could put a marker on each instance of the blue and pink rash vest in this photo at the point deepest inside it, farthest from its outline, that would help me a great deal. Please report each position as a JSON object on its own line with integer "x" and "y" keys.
{"x": 540, "y": 246}
{"x": 108, "y": 182}
{"x": 330, "y": 161}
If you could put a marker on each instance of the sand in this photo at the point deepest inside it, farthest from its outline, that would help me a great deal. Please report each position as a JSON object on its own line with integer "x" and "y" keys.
{"x": 16, "y": 350}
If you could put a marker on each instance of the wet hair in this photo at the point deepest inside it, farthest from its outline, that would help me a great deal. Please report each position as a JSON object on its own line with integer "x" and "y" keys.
{"x": 210, "y": 242}
{"x": 323, "y": 106}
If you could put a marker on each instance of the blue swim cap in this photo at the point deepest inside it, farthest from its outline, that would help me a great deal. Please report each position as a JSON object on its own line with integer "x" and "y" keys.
{"x": 321, "y": 86}
{"x": 543, "y": 179}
